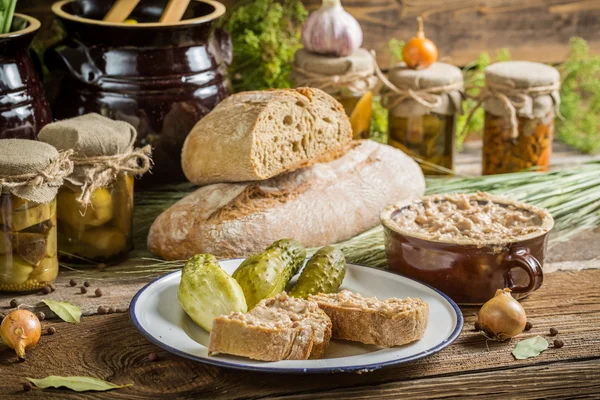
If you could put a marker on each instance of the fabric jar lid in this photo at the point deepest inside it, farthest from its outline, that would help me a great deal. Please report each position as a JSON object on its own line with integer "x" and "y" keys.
{"x": 532, "y": 88}
{"x": 437, "y": 89}
{"x": 102, "y": 148}
{"x": 354, "y": 73}
{"x": 32, "y": 170}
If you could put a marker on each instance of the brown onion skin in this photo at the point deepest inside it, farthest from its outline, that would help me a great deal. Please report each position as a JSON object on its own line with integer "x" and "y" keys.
{"x": 20, "y": 330}
{"x": 502, "y": 317}
{"x": 419, "y": 52}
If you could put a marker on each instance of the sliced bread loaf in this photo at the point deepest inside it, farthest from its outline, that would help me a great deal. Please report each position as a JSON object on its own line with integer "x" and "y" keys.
{"x": 385, "y": 323}
{"x": 280, "y": 328}
{"x": 319, "y": 205}
{"x": 257, "y": 135}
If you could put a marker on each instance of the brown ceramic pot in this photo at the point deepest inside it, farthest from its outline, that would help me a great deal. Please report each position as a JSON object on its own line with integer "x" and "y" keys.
{"x": 23, "y": 106}
{"x": 468, "y": 273}
{"x": 161, "y": 78}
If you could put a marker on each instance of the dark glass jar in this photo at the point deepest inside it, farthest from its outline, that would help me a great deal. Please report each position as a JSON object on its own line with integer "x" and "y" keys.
{"x": 23, "y": 106}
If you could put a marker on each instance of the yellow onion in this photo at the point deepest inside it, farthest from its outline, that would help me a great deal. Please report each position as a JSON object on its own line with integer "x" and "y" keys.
{"x": 20, "y": 330}
{"x": 502, "y": 317}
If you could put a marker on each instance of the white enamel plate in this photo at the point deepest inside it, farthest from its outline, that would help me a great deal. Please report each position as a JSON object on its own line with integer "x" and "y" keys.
{"x": 156, "y": 313}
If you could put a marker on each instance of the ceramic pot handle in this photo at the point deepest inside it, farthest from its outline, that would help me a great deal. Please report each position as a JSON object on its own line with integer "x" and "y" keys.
{"x": 74, "y": 56}
{"x": 225, "y": 45}
{"x": 521, "y": 258}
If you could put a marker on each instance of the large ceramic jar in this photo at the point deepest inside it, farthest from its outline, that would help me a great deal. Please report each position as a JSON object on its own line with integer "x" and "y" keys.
{"x": 161, "y": 78}
{"x": 23, "y": 106}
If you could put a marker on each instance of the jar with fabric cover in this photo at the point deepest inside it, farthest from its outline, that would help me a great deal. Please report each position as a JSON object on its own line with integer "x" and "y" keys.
{"x": 423, "y": 105}
{"x": 31, "y": 173}
{"x": 349, "y": 79}
{"x": 95, "y": 205}
{"x": 520, "y": 99}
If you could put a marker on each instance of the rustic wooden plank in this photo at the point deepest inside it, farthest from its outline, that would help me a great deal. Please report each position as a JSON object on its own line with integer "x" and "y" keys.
{"x": 108, "y": 347}
{"x": 536, "y": 30}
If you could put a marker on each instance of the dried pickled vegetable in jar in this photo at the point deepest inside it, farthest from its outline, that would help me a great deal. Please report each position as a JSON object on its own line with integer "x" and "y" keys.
{"x": 423, "y": 105}
{"x": 520, "y": 99}
{"x": 30, "y": 174}
{"x": 350, "y": 80}
{"x": 95, "y": 205}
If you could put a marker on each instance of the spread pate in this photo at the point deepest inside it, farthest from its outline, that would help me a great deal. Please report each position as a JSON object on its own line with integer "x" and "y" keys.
{"x": 474, "y": 218}
{"x": 346, "y": 298}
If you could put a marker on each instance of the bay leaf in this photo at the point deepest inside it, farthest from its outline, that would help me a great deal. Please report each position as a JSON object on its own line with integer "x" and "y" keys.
{"x": 76, "y": 383}
{"x": 529, "y": 348}
{"x": 65, "y": 310}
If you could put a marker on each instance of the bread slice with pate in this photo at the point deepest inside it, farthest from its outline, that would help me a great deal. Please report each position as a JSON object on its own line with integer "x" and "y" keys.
{"x": 279, "y": 328}
{"x": 385, "y": 323}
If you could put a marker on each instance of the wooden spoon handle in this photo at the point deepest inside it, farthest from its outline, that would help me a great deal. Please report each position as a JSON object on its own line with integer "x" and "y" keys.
{"x": 120, "y": 10}
{"x": 174, "y": 11}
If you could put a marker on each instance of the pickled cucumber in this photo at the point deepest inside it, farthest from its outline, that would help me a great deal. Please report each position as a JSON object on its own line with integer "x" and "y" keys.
{"x": 207, "y": 292}
{"x": 31, "y": 247}
{"x": 102, "y": 243}
{"x": 14, "y": 270}
{"x": 51, "y": 245}
{"x": 46, "y": 271}
{"x": 267, "y": 274}
{"x": 29, "y": 217}
{"x": 97, "y": 213}
{"x": 123, "y": 203}
{"x": 323, "y": 273}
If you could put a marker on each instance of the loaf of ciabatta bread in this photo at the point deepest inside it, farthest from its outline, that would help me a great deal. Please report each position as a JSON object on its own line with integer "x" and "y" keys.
{"x": 318, "y": 205}
{"x": 256, "y": 135}
{"x": 386, "y": 323}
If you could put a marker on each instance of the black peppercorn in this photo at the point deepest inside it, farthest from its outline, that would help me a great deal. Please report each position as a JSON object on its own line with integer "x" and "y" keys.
{"x": 558, "y": 343}
{"x": 528, "y": 326}
{"x": 553, "y": 331}
{"x": 27, "y": 387}
{"x": 73, "y": 282}
{"x": 111, "y": 310}
{"x": 14, "y": 303}
{"x": 46, "y": 290}
{"x": 51, "y": 330}
{"x": 41, "y": 316}
{"x": 102, "y": 310}
{"x": 86, "y": 284}
{"x": 83, "y": 290}
{"x": 98, "y": 292}
{"x": 152, "y": 357}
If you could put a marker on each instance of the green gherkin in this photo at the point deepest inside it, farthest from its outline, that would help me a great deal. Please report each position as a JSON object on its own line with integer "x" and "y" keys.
{"x": 323, "y": 273}
{"x": 207, "y": 292}
{"x": 266, "y": 274}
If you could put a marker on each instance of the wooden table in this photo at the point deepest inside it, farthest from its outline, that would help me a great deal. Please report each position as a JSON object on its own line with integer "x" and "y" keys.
{"x": 108, "y": 347}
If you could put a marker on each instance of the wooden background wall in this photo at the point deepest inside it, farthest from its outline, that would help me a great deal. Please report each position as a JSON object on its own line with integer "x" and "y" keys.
{"x": 537, "y": 30}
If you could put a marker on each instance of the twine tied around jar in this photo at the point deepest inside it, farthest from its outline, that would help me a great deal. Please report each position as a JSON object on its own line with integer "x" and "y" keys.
{"x": 513, "y": 99}
{"x": 352, "y": 80}
{"x": 52, "y": 175}
{"x": 429, "y": 98}
{"x": 100, "y": 171}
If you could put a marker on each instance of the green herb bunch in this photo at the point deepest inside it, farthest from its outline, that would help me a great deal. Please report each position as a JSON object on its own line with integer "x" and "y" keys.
{"x": 265, "y": 36}
{"x": 580, "y": 98}
{"x": 474, "y": 78}
{"x": 7, "y": 10}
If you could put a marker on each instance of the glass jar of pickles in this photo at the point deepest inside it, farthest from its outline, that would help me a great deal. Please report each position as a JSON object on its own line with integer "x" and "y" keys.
{"x": 349, "y": 79}
{"x": 520, "y": 99}
{"x": 95, "y": 205}
{"x": 30, "y": 175}
{"x": 423, "y": 105}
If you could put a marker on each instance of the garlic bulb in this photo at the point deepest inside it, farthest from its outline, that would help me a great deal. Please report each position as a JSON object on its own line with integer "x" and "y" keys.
{"x": 331, "y": 30}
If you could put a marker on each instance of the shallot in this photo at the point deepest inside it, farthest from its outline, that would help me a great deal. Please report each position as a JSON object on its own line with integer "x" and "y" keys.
{"x": 20, "y": 330}
{"x": 502, "y": 317}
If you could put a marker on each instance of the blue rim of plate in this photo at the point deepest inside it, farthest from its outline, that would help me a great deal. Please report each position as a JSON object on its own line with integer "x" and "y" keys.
{"x": 363, "y": 367}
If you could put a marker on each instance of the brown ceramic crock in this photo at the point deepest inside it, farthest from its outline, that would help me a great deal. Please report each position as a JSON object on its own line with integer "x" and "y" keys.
{"x": 468, "y": 273}
{"x": 23, "y": 106}
{"x": 161, "y": 78}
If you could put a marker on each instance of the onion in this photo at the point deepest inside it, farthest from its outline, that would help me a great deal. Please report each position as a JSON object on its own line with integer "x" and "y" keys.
{"x": 502, "y": 317}
{"x": 20, "y": 330}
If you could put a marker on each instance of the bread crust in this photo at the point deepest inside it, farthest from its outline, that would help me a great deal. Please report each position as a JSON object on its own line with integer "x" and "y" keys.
{"x": 257, "y": 135}
{"x": 259, "y": 343}
{"x": 375, "y": 327}
{"x": 318, "y": 205}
